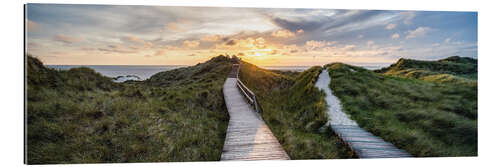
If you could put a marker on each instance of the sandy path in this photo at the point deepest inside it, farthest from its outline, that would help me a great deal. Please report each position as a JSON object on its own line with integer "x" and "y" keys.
{"x": 365, "y": 144}
{"x": 335, "y": 113}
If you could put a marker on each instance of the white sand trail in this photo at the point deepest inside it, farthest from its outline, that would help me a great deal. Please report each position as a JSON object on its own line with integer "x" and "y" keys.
{"x": 335, "y": 114}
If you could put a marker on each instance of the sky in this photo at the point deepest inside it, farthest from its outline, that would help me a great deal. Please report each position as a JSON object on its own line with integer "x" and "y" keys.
{"x": 166, "y": 35}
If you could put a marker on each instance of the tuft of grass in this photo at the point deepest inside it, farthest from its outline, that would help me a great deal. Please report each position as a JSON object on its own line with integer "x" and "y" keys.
{"x": 295, "y": 111}
{"x": 80, "y": 116}
{"x": 427, "y": 119}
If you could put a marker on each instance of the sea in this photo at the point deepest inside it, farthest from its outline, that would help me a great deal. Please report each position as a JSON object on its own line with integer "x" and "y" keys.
{"x": 122, "y": 73}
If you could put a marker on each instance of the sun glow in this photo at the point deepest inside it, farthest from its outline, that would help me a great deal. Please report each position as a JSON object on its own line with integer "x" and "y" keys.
{"x": 257, "y": 54}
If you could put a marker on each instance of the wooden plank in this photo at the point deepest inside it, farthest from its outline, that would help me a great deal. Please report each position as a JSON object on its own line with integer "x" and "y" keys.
{"x": 365, "y": 144}
{"x": 247, "y": 135}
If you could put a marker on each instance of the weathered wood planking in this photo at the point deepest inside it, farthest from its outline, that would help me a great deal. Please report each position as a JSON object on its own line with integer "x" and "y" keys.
{"x": 247, "y": 136}
{"x": 234, "y": 71}
{"x": 367, "y": 145}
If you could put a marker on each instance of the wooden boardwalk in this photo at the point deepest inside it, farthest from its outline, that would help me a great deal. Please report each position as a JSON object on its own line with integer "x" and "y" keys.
{"x": 247, "y": 136}
{"x": 366, "y": 145}
{"x": 363, "y": 143}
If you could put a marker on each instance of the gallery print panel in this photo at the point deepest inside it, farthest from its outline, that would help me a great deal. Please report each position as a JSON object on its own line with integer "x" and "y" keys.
{"x": 122, "y": 84}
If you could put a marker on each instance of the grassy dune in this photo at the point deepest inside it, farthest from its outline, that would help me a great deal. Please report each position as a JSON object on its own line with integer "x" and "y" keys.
{"x": 453, "y": 70}
{"x": 295, "y": 111}
{"x": 424, "y": 117}
{"x": 80, "y": 116}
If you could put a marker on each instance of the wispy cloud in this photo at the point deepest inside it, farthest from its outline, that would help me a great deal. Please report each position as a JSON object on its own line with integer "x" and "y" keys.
{"x": 312, "y": 44}
{"x": 191, "y": 44}
{"x": 283, "y": 33}
{"x": 66, "y": 39}
{"x": 408, "y": 17}
{"x": 32, "y": 26}
{"x": 390, "y": 26}
{"x": 211, "y": 38}
{"x": 420, "y": 31}
{"x": 395, "y": 36}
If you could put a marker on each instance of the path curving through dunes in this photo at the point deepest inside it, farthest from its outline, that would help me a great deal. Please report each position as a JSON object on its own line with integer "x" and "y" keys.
{"x": 247, "y": 137}
{"x": 335, "y": 114}
{"x": 363, "y": 143}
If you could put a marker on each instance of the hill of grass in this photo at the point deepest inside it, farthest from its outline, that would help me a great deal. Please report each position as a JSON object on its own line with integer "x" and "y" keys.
{"x": 295, "y": 111}
{"x": 80, "y": 116}
{"x": 456, "y": 70}
{"x": 425, "y": 118}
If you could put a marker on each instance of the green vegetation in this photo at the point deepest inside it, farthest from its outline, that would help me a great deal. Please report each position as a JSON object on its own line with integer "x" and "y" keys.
{"x": 424, "y": 117}
{"x": 428, "y": 108}
{"x": 455, "y": 70}
{"x": 295, "y": 110}
{"x": 80, "y": 116}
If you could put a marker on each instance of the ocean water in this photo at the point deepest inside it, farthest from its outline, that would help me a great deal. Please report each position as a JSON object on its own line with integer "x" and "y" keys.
{"x": 287, "y": 68}
{"x": 370, "y": 66}
{"x": 122, "y": 73}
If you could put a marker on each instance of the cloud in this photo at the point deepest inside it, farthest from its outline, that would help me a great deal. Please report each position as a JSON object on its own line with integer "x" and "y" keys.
{"x": 249, "y": 43}
{"x": 32, "y": 26}
{"x": 66, "y": 39}
{"x": 395, "y": 36}
{"x": 172, "y": 27}
{"x": 274, "y": 52}
{"x": 115, "y": 48}
{"x": 370, "y": 43}
{"x": 191, "y": 44}
{"x": 292, "y": 25}
{"x": 32, "y": 45}
{"x": 408, "y": 17}
{"x": 452, "y": 42}
{"x": 164, "y": 49}
{"x": 160, "y": 52}
{"x": 348, "y": 47}
{"x": 312, "y": 44}
{"x": 136, "y": 40}
{"x": 390, "y": 26}
{"x": 355, "y": 20}
{"x": 284, "y": 33}
{"x": 447, "y": 40}
{"x": 231, "y": 42}
{"x": 214, "y": 31}
{"x": 293, "y": 48}
{"x": 211, "y": 38}
{"x": 260, "y": 43}
{"x": 420, "y": 31}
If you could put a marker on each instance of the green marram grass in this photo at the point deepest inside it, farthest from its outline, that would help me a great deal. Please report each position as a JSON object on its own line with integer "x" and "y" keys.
{"x": 424, "y": 117}
{"x": 80, "y": 116}
{"x": 453, "y": 70}
{"x": 295, "y": 111}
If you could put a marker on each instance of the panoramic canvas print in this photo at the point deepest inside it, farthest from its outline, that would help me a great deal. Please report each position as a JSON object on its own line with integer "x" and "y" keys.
{"x": 119, "y": 84}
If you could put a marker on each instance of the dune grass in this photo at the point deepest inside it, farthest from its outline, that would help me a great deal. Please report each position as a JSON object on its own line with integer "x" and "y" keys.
{"x": 422, "y": 117}
{"x": 80, "y": 116}
{"x": 452, "y": 70}
{"x": 295, "y": 111}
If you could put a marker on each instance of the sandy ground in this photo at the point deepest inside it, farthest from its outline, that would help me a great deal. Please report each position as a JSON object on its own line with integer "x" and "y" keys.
{"x": 335, "y": 113}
